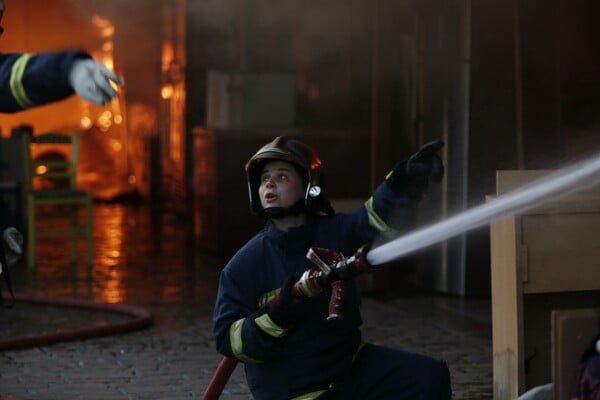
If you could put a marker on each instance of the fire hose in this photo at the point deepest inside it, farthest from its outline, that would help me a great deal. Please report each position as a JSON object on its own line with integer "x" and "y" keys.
{"x": 333, "y": 271}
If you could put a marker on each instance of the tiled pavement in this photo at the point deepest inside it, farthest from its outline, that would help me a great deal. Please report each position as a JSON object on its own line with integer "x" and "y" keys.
{"x": 175, "y": 358}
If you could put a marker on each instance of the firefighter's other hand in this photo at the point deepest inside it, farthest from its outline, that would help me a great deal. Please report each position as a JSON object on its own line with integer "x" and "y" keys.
{"x": 12, "y": 240}
{"x": 412, "y": 176}
{"x": 92, "y": 81}
{"x": 289, "y": 310}
{"x": 426, "y": 164}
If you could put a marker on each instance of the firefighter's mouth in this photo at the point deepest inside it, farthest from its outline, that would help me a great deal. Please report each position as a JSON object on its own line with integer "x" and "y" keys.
{"x": 270, "y": 197}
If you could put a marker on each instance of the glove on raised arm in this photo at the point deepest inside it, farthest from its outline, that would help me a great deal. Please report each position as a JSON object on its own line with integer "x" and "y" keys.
{"x": 289, "y": 310}
{"x": 413, "y": 175}
{"x": 12, "y": 240}
{"x": 92, "y": 81}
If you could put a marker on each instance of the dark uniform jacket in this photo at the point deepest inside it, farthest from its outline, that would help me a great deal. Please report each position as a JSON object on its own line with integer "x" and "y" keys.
{"x": 28, "y": 80}
{"x": 284, "y": 364}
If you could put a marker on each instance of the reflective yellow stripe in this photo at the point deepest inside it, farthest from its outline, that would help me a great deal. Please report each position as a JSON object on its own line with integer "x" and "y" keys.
{"x": 235, "y": 340}
{"x": 267, "y": 297}
{"x": 266, "y": 324}
{"x": 16, "y": 84}
{"x": 374, "y": 220}
{"x": 310, "y": 396}
{"x": 360, "y": 346}
{"x": 314, "y": 395}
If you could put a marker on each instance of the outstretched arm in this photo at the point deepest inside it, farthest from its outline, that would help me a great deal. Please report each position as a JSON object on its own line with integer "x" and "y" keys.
{"x": 29, "y": 80}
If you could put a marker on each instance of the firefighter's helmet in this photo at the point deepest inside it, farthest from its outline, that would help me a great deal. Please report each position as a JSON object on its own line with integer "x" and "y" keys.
{"x": 306, "y": 160}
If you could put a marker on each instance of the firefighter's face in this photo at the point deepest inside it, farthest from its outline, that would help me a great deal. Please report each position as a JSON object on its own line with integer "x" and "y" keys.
{"x": 280, "y": 185}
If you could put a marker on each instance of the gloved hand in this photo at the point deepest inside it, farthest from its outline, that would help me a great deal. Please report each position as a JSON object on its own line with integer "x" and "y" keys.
{"x": 289, "y": 310}
{"x": 12, "y": 241}
{"x": 92, "y": 81}
{"x": 413, "y": 175}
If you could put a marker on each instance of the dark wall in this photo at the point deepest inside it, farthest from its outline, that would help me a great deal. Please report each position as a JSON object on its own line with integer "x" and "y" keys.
{"x": 492, "y": 138}
{"x": 540, "y": 27}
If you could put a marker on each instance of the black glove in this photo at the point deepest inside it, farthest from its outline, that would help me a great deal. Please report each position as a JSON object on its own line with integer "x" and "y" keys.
{"x": 288, "y": 310}
{"x": 413, "y": 175}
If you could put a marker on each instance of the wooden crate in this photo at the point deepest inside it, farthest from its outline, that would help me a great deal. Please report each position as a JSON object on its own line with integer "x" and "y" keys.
{"x": 543, "y": 259}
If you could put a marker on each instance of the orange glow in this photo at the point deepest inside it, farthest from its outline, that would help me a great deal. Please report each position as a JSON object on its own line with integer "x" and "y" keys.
{"x": 109, "y": 255}
{"x": 132, "y": 180}
{"x": 116, "y": 145}
{"x": 109, "y": 64}
{"x": 176, "y": 124}
{"x": 105, "y": 121}
{"x": 86, "y": 122}
{"x": 107, "y": 47}
{"x": 41, "y": 169}
{"x": 167, "y": 55}
{"x": 166, "y": 92}
{"x": 316, "y": 163}
{"x": 107, "y": 30}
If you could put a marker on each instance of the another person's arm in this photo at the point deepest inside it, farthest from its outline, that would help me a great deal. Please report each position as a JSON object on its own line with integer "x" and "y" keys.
{"x": 28, "y": 80}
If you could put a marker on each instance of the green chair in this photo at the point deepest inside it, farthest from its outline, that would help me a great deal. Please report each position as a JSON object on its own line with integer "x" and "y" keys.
{"x": 51, "y": 195}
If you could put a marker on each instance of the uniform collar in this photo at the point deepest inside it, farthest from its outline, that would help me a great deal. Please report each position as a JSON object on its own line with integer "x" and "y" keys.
{"x": 299, "y": 238}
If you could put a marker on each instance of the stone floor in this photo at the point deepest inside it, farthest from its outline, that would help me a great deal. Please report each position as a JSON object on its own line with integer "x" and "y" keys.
{"x": 147, "y": 262}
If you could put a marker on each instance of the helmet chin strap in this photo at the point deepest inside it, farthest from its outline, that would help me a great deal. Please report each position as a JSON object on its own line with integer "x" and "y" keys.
{"x": 297, "y": 208}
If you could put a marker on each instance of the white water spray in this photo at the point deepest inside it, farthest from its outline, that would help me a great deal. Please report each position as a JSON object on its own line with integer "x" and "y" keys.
{"x": 559, "y": 183}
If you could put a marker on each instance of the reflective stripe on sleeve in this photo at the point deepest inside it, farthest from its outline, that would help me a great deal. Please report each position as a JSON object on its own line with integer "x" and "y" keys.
{"x": 267, "y": 297}
{"x": 16, "y": 84}
{"x": 266, "y": 324}
{"x": 375, "y": 220}
{"x": 310, "y": 396}
{"x": 235, "y": 339}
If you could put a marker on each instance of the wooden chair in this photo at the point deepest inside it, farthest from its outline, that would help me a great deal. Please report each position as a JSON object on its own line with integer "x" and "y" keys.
{"x": 50, "y": 192}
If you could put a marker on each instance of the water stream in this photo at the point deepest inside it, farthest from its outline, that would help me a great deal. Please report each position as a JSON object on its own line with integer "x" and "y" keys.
{"x": 568, "y": 180}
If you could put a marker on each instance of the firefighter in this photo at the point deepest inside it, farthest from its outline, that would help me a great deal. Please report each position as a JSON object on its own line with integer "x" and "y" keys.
{"x": 28, "y": 80}
{"x": 290, "y": 350}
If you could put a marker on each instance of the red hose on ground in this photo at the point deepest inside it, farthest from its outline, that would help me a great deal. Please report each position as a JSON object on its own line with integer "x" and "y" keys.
{"x": 141, "y": 319}
{"x": 220, "y": 378}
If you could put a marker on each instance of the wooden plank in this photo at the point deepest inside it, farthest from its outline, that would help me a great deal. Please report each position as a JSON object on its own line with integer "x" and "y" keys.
{"x": 509, "y": 180}
{"x": 507, "y": 333}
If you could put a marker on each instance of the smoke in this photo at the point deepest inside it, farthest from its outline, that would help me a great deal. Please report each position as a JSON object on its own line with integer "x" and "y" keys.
{"x": 305, "y": 28}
